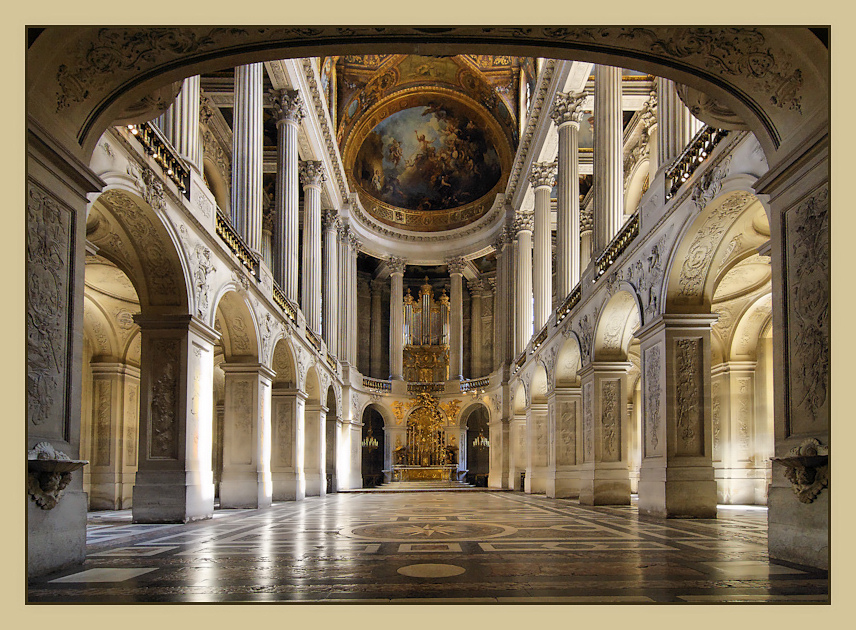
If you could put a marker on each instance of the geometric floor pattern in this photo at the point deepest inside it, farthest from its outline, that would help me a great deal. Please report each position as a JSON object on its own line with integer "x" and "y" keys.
{"x": 434, "y": 547}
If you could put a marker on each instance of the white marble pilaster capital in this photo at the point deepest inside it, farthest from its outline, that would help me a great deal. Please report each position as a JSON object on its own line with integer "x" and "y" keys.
{"x": 586, "y": 220}
{"x": 356, "y": 244}
{"x": 344, "y": 233}
{"x": 330, "y": 220}
{"x": 568, "y": 109}
{"x": 287, "y": 106}
{"x": 491, "y": 285}
{"x": 456, "y": 265}
{"x": 312, "y": 173}
{"x": 543, "y": 174}
{"x": 475, "y": 286}
{"x": 396, "y": 265}
{"x": 523, "y": 222}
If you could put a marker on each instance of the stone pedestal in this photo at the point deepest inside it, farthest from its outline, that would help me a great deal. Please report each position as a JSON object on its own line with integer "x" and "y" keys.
{"x": 564, "y": 426}
{"x": 676, "y": 478}
{"x": 500, "y": 451}
{"x": 246, "y": 481}
{"x": 536, "y": 453}
{"x": 517, "y": 451}
{"x": 174, "y": 482}
{"x": 287, "y": 429}
{"x": 604, "y": 478}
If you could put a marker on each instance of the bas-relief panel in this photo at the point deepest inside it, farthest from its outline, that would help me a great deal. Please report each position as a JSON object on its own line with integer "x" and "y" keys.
{"x": 611, "y": 421}
{"x": 283, "y": 434}
{"x": 566, "y": 431}
{"x": 588, "y": 422}
{"x": 652, "y": 419}
{"x": 50, "y": 234}
{"x": 688, "y": 397}
{"x": 163, "y": 434}
{"x": 807, "y": 295}
{"x": 101, "y": 422}
{"x": 242, "y": 419}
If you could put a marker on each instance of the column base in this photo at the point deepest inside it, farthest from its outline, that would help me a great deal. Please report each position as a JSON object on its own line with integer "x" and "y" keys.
{"x": 316, "y": 485}
{"x": 742, "y": 486}
{"x": 536, "y": 481}
{"x": 111, "y": 491}
{"x": 682, "y": 492}
{"x": 798, "y": 532}
{"x": 498, "y": 481}
{"x": 288, "y": 486}
{"x": 173, "y": 497}
{"x": 604, "y": 487}
{"x": 563, "y": 484}
{"x": 245, "y": 490}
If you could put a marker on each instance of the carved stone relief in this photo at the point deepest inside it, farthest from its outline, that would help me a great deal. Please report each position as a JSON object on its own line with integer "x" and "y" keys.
{"x": 710, "y": 183}
{"x": 49, "y": 238}
{"x": 611, "y": 421}
{"x": 101, "y": 428}
{"x": 653, "y": 368}
{"x": 238, "y": 336}
{"x": 284, "y": 431}
{"x": 716, "y": 420}
{"x": 744, "y": 417}
{"x": 163, "y": 435}
{"x": 132, "y": 417}
{"x": 807, "y": 297}
{"x": 688, "y": 397}
{"x": 586, "y": 334}
{"x": 203, "y": 267}
{"x": 567, "y": 421}
{"x": 588, "y": 422}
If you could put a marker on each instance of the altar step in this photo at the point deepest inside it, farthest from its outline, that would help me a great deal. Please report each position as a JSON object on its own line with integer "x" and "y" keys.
{"x": 421, "y": 486}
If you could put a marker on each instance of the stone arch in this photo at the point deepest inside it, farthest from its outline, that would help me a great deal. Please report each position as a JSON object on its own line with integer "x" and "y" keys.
{"x": 749, "y": 328}
{"x": 236, "y": 322}
{"x": 283, "y": 363}
{"x": 540, "y": 384}
{"x": 519, "y": 399}
{"x": 618, "y": 320}
{"x": 718, "y": 235}
{"x": 375, "y": 459}
{"x": 568, "y": 362}
{"x": 773, "y": 79}
{"x": 134, "y": 236}
{"x": 312, "y": 386}
{"x": 216, "y": 183}
{"x": 475, "y": 450}
{"x": 470, "y": 408}
{"x": 98, "y": 329}
{"x": 635, "y": 186}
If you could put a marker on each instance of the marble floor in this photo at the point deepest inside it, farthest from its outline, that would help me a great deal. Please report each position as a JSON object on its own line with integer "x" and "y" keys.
{"x": 433, "y": 547}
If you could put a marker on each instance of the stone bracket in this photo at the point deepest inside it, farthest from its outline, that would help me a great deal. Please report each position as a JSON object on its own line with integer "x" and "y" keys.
{"x": 807, "y": 468}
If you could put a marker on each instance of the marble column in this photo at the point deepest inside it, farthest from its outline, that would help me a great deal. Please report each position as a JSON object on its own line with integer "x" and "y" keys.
{"x": 174, "y": 481}
{"x": 312, "y": 177}
{"x": 288, "y": 110}
{"x": 314, "y": 450}
{"x": 396, "y": 318}
{"x": 604, "y": 476}
{"x": 536, "y": 451}
{"x": 456, "y": 319}
{"x": 377, "y": 287}
{"x": 503, "y": 324}
{"x": 352, "y": 298}
{"x": 331, "y": 282}
{"x": 608, "y": 157}
{"x": 523, "y": 288}
{"x": 677, "y": 125}
{"x": 246, "y": 480}
{"x": 287, "y": 430}
{"x": 586, "y": 236}
{"x": 113, "y": 445}
{"x": 564, "y": 426}
{"x": 541, "y": 178}
{"x": 676, "y": 478}
{"x": 247, "y": 155}
{"x": 567, "y": 114}
{"x": 650, "y": 122}
{"x": 180, "y": 123}
{"x": 476, "y": 289}
{"x": 345, "y": 315}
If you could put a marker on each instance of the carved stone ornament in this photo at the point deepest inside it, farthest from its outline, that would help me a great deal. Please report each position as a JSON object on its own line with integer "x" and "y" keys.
{"x": 709, "y": 110}
{"x": 287, "y": 106}
{"x": 543, "y": 174}
{"x": 524, "y": 222}
{"x": 48, "y": 474}
{"x": 396, "y": 265}
{"x": 710, "y": 183}
{"x": 807, "y": 468}
{"x": 311, "y": 173}
{"x": 456, "y": 265}
{"x": 203, "y": 268}
{"x": 568, "y": 108}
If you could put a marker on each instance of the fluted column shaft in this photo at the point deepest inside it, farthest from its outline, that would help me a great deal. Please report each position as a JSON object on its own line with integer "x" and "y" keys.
{"x": 331, "y": 283}
{"x": 376, "y": 334}
{"x": 542, "y": 178}
{"x": 503, "y": 322}
{"x": 608, "y": 158}
{"x": 396, "y": 319}
{"x": 523, "y": 288}
{"x": 247, "y": 155}
{"x": 312, "y": 176}
{"x": 180, "y": 123}
{"x": 567, "y": 113}
{"x": 289, "y": 112}
{"x": 676, "y": 127}
{"x": 456, "y": 320}
{"x": 352, "y": 299}
{"x": 476, "y": 288}
{"x": 342, "y": 278}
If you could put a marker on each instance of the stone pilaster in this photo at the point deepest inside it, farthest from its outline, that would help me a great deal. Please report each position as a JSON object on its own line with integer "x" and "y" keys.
{"x": 564, "y": 427}
{"x": 608, "y": 156}
{"x": 523, "y": 286}
{"x": 246, "y": 480}
{"x": 287, "y": 433}
{"x": 331, "y": 282}
{"x": 312, "y": 177}
{"x": 567, "y": 114}
{"x": 676, "y": 478}
{"x": 396, "y": 318}
{"x": 586, "y": 235}
{"x": 456, "y": 319}
{"x": 288, "y": 110}
{"x": 377, "y": 287}
{"x": 536, "y": 451}
{"x": 541, "y": 178}
{"x": 314, "y": 450}
{"x": 500, "y": 452}
{"x": 247, "y": 155}
{"x": 604, "y": 478}
{"x": 174, "y": 481}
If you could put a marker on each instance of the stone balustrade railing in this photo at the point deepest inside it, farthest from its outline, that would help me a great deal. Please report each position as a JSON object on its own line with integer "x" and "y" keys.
{"x": 164, "y": 154}
{"x": 696, "y": 152}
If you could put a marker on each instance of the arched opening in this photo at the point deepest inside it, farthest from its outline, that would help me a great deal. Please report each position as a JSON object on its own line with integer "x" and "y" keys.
{"x": 478, "y": 445}
{"x": 517, "y": 438}
{"x": 331, "y": 441}
{"x": 373, "y": 447}
{"x": 314, "y": 452}
{"x": 286, "y": 425}
{"x": 536, "y": 431}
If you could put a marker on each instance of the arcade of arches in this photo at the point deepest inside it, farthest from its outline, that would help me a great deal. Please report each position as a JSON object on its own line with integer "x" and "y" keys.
{"x": 601, "y": 274}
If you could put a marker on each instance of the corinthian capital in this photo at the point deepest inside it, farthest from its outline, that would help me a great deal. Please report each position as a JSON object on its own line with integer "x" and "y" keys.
{"x": 396, "y": 265}
{"x": 311, "y": 173}
{"x": 330, "y": 220}
{"x": 524, "y": 222}
{"x": 287, "y": 106}
{"x": 567, "y": 108}
{"x": 456, "y": 265}
{"x": 543, "y": 174}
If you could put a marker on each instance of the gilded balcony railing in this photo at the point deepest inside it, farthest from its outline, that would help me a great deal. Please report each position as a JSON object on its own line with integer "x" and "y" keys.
{"x": 314, "y": 339}
{"x": 570, "y": 302}
{"x": 283, "y": 303}
{"x": 474, "y": 384}
{"x": 226, "y": 231}
{"x": 376, "y": 384}
{"x": 696, "y": 152}
{"x": 331, "y": 361}
{"x": 618, "y": 245}
{"x": 164, "y": 154}
{"x": 518, "y": 363}
{"x": 425, "y": 388}
{"x": 541, "y": 338}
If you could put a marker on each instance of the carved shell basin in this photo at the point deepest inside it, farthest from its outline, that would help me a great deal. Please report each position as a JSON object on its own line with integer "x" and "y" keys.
{"x": 55, "y": 465}
{"x": 802, "y": 461}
